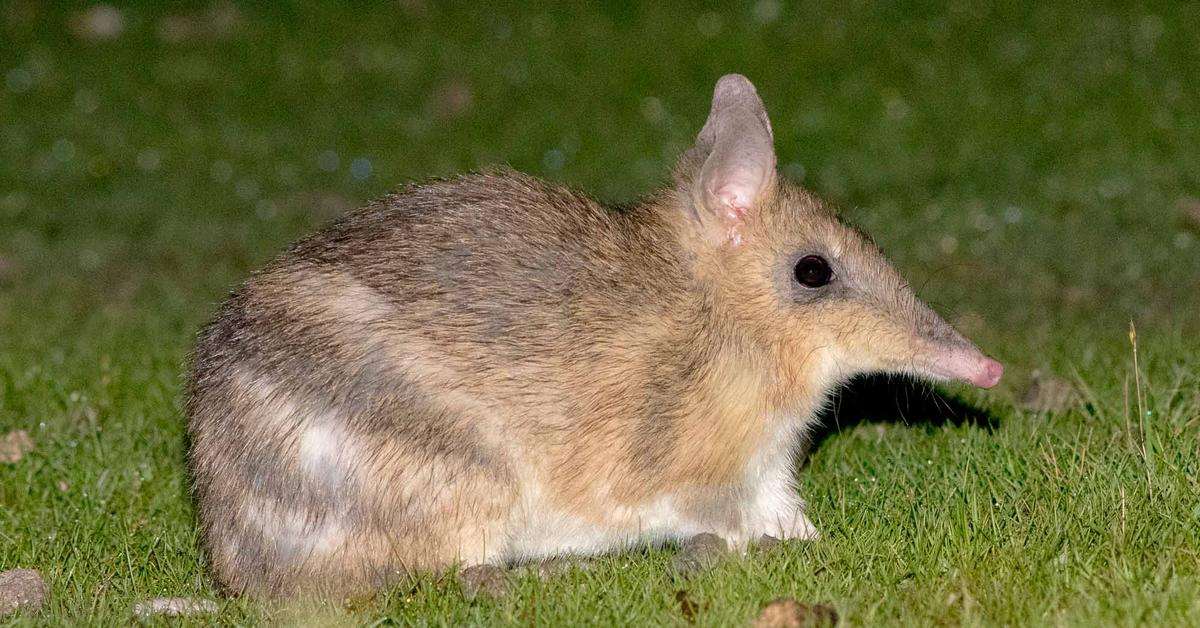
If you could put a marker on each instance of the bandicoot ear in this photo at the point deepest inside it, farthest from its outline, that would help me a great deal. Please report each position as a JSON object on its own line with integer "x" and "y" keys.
{"x": 739, "y": 166}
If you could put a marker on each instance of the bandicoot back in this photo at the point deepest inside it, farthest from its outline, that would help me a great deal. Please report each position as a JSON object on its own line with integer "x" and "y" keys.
{"x": 493, "y": 369}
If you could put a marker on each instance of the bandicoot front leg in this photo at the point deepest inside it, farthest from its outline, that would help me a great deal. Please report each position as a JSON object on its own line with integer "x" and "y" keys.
{"x": 780, "y": 514}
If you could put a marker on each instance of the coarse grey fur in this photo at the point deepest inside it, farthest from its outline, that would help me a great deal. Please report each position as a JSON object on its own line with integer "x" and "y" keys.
{"x": 491, "y": 368}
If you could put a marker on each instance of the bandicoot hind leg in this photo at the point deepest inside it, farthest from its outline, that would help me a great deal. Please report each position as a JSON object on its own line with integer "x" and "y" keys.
{"x": 304, "y": 498}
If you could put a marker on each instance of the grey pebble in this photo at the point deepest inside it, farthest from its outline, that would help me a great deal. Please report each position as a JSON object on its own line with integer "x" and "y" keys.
{"x": 699, "y": 553}
{"x": 1047, "y": 393}
{"x": 483, "y": 580}
{"x": 22, "y": 590}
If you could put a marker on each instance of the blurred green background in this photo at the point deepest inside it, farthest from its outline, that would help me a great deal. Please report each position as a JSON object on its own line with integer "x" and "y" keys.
{"x": 1032, "y": 168}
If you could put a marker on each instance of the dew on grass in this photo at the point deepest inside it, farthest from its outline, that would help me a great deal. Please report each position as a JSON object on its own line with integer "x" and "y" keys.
{"x": 246, "y": 189}
{"x": 149, "y": 160}
{"x": 18, "y": 80}
{"x": 14, "y": 202}
{"x": 896, "y": 106}
{"x": 570, "y": 143}
{"x": 361, "y": 168}
{"x": 89, "y": 259}
{"x": 332, "y": 72}
{"x": 221, "y": 171}
{"x": 948, "y": 244}
{"x": 85, "y": 101}
{"x": 1115, "y": 187}
{"x": 328, "y": 161}
{"x": 709, "y": 24}
{"x": 653, "y": 110}
{"x": 517, "y": 72}
{"x": 543, "y": 25}
{"x": 554, "y": 159}
{"x": 265, "y": 209}
{"x": 981, "y": 221}
{"x": 766, "y": 11}
{"x": 645, "y": 169}
{"x": 288, "y": 174}
{"x": 502, "y": 27}
{"x": 795, "y": 171}
{"x": 63, "y": 150}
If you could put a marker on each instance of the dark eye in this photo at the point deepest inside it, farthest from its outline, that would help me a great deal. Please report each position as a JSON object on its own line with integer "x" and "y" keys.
{"x": 813, "y": 271}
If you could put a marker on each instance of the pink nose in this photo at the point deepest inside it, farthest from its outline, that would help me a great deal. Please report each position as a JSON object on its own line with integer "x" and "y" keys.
{"x": 966, "y": 364}
{"x": 989, "y": 373}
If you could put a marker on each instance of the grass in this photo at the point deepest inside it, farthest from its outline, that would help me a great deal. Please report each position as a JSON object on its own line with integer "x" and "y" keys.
{"x": 1023, "y": 167}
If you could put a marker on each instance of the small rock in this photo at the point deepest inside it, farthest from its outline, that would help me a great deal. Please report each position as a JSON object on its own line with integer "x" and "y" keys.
{"x": 788, "y": 613}
{"x": 486, "y": 580}
{"x": 217, "y": 22}
{"x": 1046, "y": 393}
{"x": 767, "y": 543}
{"x": 14, "y": 446}
{"x": 102, "y": 22}
{"x": 1189, "y": 212}
{"x": 451, "y": 100}
{"x": 22, "y": 590}
{"x": 699, "y": 553}
{"x": 8, "y": 268}
{"x": 173, "y": 607}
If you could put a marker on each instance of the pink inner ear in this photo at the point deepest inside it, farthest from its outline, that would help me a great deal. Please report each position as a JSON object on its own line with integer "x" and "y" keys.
{"x": 733, "y": 206}
{"x": 735, "y": 196}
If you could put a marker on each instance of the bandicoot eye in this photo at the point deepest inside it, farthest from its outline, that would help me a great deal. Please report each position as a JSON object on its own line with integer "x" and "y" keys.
{"x": 813, "y": 271}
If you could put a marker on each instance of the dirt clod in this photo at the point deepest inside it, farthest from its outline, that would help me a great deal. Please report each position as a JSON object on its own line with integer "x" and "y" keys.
{"x": 788, "y": 613}
{"x": 173, "y": 607}
{"x": 1047, "y": 393}
{"x": 483, "y": 580}
{"x": 451, "y": 100}
{"x": 22, "y": 590}
{"x": 14, "y": 446}
{"x": 218, "y": 21}
{"x": 101, "y": 22}
{"x": 688, "y": 607}
{"x": 699, "y": 553}
{"x": 1189, "y": 213}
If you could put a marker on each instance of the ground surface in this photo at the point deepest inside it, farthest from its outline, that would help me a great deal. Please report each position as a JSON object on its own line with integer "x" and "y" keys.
{"x": 1029, "y": 172}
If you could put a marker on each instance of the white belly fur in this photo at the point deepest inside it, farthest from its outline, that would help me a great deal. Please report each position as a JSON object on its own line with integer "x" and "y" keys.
{"x": 769, "y": 504}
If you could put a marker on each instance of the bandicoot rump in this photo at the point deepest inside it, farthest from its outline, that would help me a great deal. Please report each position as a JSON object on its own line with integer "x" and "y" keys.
{"x": 493, "y": 369}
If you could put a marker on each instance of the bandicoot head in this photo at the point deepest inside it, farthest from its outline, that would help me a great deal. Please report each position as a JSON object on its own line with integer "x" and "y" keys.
{"x": 812, "y": 292}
